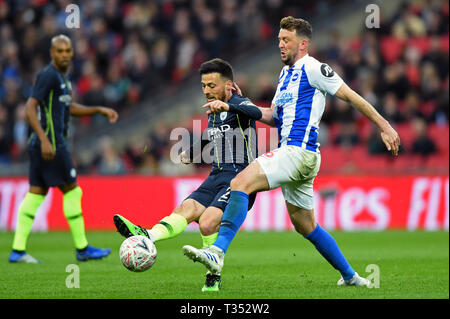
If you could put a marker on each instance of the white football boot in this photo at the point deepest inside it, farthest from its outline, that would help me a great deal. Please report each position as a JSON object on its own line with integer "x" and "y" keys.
{"x": 355, "y": 281}
{"x": 212, "y": 257}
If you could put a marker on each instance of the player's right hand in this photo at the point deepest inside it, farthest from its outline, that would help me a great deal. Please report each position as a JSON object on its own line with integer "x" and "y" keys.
{"x": 216, "y": 106}
{"x": 47, "y": 150}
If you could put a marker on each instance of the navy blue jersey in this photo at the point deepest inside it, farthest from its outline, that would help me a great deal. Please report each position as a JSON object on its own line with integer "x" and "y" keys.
{"x": 232, "y": 138}
{"x": 53, "y": 90}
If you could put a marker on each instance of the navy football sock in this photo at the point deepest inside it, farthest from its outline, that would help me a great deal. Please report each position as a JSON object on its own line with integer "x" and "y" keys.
{"x": 328, "y": 248}
{"x": 233, "y": 217}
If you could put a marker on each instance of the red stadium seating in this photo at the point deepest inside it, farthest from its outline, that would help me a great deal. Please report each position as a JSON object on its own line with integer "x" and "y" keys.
{"x": 391, "y": 48}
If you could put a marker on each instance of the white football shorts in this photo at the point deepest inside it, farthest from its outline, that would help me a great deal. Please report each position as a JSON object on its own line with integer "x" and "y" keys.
{"x": 294, "y": 169}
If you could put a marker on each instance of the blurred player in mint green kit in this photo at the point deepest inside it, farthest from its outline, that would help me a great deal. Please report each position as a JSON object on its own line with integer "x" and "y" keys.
{"x": 50, "y": 161}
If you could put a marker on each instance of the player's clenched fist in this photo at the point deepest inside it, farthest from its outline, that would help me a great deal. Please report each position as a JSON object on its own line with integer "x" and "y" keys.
{"x": 110, "y": 114}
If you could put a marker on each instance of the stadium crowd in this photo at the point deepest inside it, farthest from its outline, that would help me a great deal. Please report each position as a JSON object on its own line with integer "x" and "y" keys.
{"x": 124, "y": 49}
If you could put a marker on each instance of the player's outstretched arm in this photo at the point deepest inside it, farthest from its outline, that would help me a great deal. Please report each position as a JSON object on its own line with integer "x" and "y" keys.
{"x": 77, "y": 109}
{"x": 388, "y": 134}
{"x": 262, "y": 114}
{"x": 267, "y": 115}
{"x": 47, "y": 149}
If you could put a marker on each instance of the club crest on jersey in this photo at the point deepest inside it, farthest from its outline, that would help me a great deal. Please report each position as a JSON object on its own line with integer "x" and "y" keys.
{"x": 223, "y": 115}
{"x": 295, "y": 77}
{"x": 326, "y": 70}
{"x": 66, "y": 98}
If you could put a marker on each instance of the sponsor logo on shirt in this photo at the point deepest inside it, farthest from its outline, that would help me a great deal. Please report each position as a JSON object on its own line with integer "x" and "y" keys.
{"x": 284, "y": 98}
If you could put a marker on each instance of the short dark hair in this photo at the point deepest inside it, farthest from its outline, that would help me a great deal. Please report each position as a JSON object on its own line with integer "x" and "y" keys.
{"x": 217, "y": 66}
{"x": 302, "y": 27}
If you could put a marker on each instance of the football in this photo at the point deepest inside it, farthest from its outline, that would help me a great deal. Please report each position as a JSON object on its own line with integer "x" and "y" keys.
{"x": 137, "y": 253}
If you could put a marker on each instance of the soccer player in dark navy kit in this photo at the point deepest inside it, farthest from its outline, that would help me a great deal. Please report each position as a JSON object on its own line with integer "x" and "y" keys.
{"x": 231, "y": 137}
{"x": 48, "y": 111}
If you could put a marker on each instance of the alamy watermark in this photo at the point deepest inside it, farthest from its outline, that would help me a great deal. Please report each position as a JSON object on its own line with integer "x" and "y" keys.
{"x": 73, "y": 17}
{"x": 222, "y": 143}
{"x": 374, "y": 276}
{"x": 373, "y": 18}
{"x": 73, "y": 280}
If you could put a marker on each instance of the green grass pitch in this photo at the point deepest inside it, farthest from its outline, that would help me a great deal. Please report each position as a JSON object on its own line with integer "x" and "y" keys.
{"x": 258, "y": 265}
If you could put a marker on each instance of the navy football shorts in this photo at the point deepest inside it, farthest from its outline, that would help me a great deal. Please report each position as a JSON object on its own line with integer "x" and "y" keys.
{"x": 57, "y": 172}
{"x": 215, "y": 190}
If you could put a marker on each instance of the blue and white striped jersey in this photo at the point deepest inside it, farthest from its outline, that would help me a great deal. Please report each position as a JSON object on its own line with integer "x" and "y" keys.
{"x": 299, "y": 101}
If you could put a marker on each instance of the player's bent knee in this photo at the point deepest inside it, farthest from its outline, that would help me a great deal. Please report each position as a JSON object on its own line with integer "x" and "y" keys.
{"x": 189, "y": 209}
{"x": 208, "y": 227}
{"x": 209, "y": 222}
{"x": 240, "y": 183}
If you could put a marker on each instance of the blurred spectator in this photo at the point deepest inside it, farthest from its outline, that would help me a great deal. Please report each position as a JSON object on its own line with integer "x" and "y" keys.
{"x": 430, "y": 82}
{"x": 109, "y": 162}
{"x": 265, "y": 90}
{"x": 394, "y": 80}
{"x": 440, "y": 115}
{"x": 437, "y": 57}
{"x": 4, "y": 146}
{"x": 160, "y": 139}
{"x": 168, "y": 166}
{"x": 348, "y": 135}
{"x": 390, "y": 109}
{"x": 4, "y": 138}
{"x": 423, "y": 144}
{"x": 116, "y": 87}
{"x": 149, "y": 165}
{"x": 411, "y": 106}
{"x": 342, "y": 112}
{"x": 135, "y": 152}
{"x": 20, "y": 132}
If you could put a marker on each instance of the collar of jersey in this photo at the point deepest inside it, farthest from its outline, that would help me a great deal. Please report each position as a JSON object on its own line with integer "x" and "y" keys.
{"x": 300, "y": 62}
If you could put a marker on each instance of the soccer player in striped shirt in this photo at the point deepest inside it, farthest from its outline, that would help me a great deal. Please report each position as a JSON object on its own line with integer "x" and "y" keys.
{"x": 296, "y": 110}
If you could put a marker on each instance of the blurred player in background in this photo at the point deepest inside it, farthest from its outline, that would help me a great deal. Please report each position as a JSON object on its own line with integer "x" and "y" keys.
{"x": 50, "y": 161}
{"x": 297, "y": 108}
{"x": 233, "y": 138}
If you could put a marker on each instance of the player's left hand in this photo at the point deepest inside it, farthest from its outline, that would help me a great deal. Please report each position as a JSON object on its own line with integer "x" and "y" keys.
{"x": 216, "y": 106}
{"x": 391, "y": 139}
{"x": 110, "y": 114}
{"x": 236, "y": 88}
